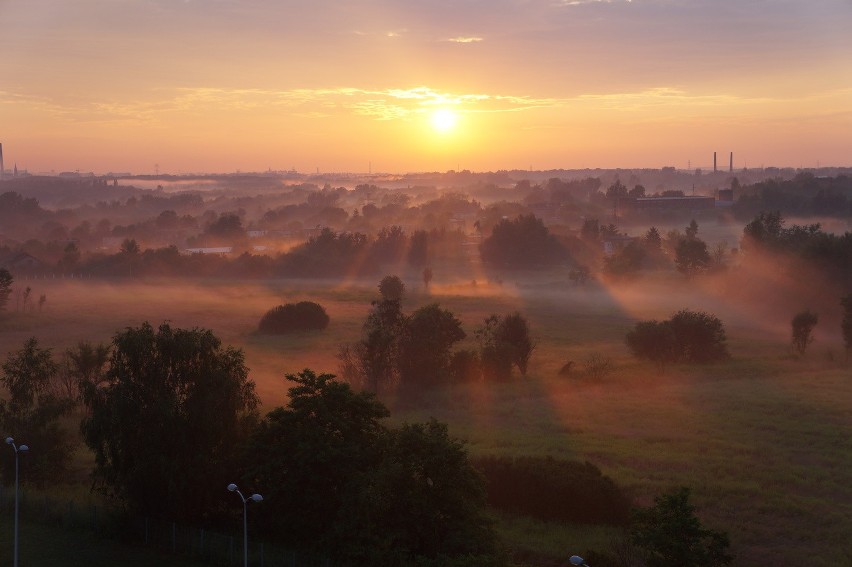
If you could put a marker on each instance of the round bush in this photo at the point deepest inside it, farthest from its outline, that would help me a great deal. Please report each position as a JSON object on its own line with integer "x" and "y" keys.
{"x": 294, "y": 317}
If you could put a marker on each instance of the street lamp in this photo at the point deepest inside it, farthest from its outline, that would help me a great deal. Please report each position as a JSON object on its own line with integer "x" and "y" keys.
{"x": 18, "y": 450}
{"x": 254, "y": 498}
{"x": 577, "y": 560}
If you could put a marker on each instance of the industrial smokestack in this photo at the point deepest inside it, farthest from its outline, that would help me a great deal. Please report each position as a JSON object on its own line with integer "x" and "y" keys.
{"x": 714, "y": 162}
{"x": 731, "y": 164}
{"x": 2, "y": 170}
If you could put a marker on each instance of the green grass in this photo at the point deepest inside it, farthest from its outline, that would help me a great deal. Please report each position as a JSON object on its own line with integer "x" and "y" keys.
{"x": 47, "y": 546}
{"x": 763, "y": 440}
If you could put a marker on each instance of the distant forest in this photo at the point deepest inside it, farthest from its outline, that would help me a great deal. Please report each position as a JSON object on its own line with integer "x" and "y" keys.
{"x": 260, "y": 227}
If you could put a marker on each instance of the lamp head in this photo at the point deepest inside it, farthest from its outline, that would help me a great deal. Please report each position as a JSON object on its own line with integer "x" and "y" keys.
{"x": 257, "y": 497}
{"x": 577, "y": 560}
{"x": 9, "y": 440}
{"x": 232, "y": 487}
{"x": 23, "y": 449}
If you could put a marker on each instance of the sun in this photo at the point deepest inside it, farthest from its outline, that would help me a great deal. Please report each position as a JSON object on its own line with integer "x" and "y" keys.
{"x": 444, "y": 120}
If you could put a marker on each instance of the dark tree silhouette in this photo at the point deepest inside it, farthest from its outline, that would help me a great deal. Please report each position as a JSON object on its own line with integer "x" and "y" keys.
{"x": 802, "y": 326}
{"x": 521, "y": 243}
{"x": 166, "y": 422}
{"x": 669, "y": 534}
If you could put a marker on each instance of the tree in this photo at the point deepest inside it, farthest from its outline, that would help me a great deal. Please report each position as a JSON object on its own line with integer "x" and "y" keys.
{"x": 427, "y": 276}
{"x": 763, "y": 230}
{"x": 692, "y": 230}
{"x": 129, "y": 247}
{"x": 523, "y": 242}
{"x": 377, "y": 351}
{"x": 336, "y": 479}
{"x": 307, "y": 457}
{"x": 391, "y": 288}
{"x": 293, "y": 317}
{"x": 514, "y": 334}
{"x": 669, "y": 534}
{"x": 423, "y": 500}
{"x": 627, "y": 262}
{"x": 615, "y": 193}
{"x": 846, "y": 323}
{"x": 167, "y": 420}
{"x": 691, "y": 256}
{"x": 390, "y": 245}
{"x": 504, "y": 341}
{"x": 638, "y": 191}
{"x": 32, "y": 412}
{"x": 427, "y": 337}
{"x": 70, "y": 257}
{"x": 6, "y": 281}
{"x": 228, "y": 227}
{"x": 87, "y": 363}
{"x": 803, "y": 325}
{"x": 653, "y": 241}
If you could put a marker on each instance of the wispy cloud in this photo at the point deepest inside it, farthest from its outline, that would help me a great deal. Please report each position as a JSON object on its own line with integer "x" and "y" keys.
{"x": 164, "y": 105}
{"x": 465, "y": 39}
{"x": 581, "y": 2}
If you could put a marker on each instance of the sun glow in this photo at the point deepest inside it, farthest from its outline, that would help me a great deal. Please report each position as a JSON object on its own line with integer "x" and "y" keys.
{"x": 444, "y": 120}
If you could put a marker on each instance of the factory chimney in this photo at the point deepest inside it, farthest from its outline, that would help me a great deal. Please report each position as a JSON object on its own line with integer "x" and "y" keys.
{"x": 714, "y": 162}
{"x": 2, "y": 171}
{"x": 731, "y": 163}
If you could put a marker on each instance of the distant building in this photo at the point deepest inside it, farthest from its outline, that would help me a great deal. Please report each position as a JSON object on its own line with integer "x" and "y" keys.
{"x": 220, "y": 250}
{"x": 21, "y": 261}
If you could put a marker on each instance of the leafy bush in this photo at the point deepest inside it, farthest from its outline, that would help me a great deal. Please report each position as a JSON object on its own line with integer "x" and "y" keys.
{"x": 689, "y": 336}
{"x": 699, "y": 336}
{"x": 293, "y": 317}
{"x": 553, "y": 490}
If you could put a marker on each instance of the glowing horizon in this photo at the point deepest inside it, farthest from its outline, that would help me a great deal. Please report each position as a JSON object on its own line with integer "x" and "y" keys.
{"x": 223, "y": 85}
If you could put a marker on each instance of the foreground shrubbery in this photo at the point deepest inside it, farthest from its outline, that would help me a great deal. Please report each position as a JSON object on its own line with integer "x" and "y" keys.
{"x": 553, "y": 490}
{"x": 293, "y": 317}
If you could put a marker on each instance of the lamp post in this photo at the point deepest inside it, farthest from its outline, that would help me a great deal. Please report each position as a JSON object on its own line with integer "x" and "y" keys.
{"x": 18, "y": 450}
{"x": 577, "y": 560}
{"x": 254, "y": 498}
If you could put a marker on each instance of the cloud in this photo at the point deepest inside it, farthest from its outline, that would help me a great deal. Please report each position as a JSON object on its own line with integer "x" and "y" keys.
{"x": 164, "y": 105}
{"x": 464, "y": 39}
{"x": 581, "y": 2}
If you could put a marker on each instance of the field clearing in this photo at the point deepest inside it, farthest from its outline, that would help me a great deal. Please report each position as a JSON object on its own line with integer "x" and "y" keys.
{"x": 763, "y": 440}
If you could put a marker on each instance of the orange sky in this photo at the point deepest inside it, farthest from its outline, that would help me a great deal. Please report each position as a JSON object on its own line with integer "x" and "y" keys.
{"x": 226, "y": 85}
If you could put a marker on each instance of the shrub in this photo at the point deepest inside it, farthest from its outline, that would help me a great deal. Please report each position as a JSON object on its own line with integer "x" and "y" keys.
{"x": 689, "y": 336}
{"x": 803, "y": 325}
{"x": 553, "y": 490}
{"x": 699, "y": 336}
{"x": 293, "y": 317}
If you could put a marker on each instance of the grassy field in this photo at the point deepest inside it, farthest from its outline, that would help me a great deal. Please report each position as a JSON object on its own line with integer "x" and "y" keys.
{"x": 763, "y": 440}
{"x": 45, "y": 546}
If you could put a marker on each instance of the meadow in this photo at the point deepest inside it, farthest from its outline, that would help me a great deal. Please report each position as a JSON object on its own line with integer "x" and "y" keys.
{"x": 763, "y": 440}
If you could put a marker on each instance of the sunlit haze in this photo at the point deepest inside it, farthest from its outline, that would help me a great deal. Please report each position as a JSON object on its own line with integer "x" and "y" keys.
{"x": 224, "y": 85}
